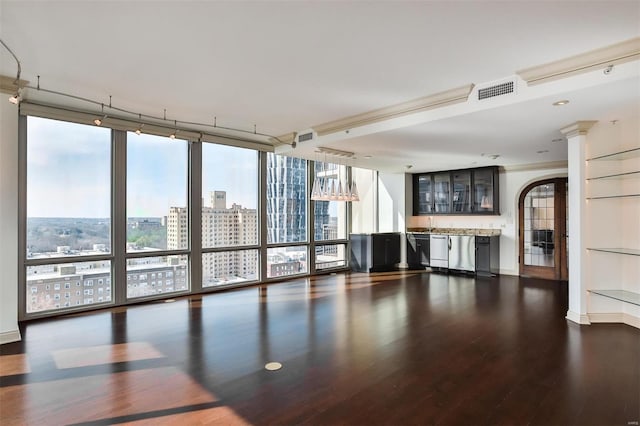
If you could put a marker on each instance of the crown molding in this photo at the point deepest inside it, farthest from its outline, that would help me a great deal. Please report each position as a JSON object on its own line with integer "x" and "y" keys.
{"x": 437, "y": 100}
{"x": 10, "y": 84}
{"x": 536, "y": 166}
{"x": 577, "y": 128}
{"x": 614, "y": 54}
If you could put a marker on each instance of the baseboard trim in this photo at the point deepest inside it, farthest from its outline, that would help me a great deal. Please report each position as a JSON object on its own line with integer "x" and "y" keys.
{"x": 578, "y": 318}
{"x": 615, "y": 317}
{"x": 10, "y": 336}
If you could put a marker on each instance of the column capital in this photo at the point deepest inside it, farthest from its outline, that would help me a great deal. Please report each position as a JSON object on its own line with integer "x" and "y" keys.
{"x": 577, "y": 128}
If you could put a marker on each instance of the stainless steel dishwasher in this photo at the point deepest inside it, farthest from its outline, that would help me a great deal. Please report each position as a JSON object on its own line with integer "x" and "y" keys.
{"x": 462, "y": 252}
{"x": 439, "y": 251}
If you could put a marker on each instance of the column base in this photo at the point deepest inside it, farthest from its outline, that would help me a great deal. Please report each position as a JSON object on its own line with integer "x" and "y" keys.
{"x": 582, "y": 319}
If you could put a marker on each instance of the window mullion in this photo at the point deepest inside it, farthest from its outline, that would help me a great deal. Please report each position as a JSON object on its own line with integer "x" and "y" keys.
{"x": 119, "y": 215}
{"x": 195, "y": 210}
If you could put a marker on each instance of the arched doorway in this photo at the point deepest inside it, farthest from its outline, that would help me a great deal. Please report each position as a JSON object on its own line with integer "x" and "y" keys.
{"x": 543, "y": 212}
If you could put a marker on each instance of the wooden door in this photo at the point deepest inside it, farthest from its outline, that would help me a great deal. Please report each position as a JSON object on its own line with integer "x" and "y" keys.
{"x": 542, "y": 211}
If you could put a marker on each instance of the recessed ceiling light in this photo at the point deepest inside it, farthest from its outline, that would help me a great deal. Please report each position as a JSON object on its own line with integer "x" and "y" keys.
{"x": 492, "y": 156}
{"x": 557, "y": 140}
{"x": 562, "y": 102}
{"x": 542, "y": 151}
{"x": 367, "y": 157}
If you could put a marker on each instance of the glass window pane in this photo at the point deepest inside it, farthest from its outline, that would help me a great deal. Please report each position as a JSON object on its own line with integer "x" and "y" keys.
{"x": 441, "y": 192}
{"x": 157, "y": 216}
{"x": 148, "y": 276}
{"x": 68, "y": 189}
{"x": 284, "y": 261}
{"x": 330, "y": 217}
{"x": 230, "y": 196}
{"x": 68, "y": 285}
{"x": 330, "y": 256}
{"x": 229, "y": 267}
{"x": 539, "y": 226}
{"x": 286, "y": 199}
{"x": 483, "y": 190}
{"x": 462, "y": 192}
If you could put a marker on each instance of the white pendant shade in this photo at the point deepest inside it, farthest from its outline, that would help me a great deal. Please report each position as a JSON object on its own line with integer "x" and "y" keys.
{"x": 354, "y": 192}
{"x": 328, "y": 187}
{"x": 316, "y": 189}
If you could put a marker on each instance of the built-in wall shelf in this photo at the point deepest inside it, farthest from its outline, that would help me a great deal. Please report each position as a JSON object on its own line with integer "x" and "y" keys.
{"x": 616, "y": 156}
{"x": 627, "y": 175}
{"x": 613, "y": 196}
{"x": 629, "y": 251}
{"x": 623, "y": 295}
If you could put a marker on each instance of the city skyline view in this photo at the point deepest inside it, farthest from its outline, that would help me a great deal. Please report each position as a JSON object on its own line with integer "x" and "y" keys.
{"x": 70, "y": 213}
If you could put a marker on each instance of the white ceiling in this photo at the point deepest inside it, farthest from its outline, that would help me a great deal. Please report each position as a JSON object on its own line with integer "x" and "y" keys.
{"x": 287, "y": 66}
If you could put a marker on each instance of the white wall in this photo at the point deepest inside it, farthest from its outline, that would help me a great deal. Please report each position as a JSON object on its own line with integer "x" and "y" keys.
{"x": 363, "y": 212}
{"x": 8, "y": 222}
{"x": 391, "y": 202}
{"x": 511, "y": 185}
{"x": 392, "y": 194}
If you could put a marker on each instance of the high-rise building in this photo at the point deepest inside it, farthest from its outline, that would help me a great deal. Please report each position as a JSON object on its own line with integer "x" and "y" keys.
{"x": 221, "y": 227}
{"x": 286, "y": 199}
{"x": 177, "y": 228}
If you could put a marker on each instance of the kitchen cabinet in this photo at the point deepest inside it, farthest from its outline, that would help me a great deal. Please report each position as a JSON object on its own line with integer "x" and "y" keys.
{"x": 418, "y": 250}
{"x": 487, "y": 255}
{"x": 375, "y": 252}
{"x": 457, "y": 192}
{"x": 423, "y": 199}
{"x": 461, "y": 190}
{"x": 441, "y": 186}
{"x": 485, "y": 191}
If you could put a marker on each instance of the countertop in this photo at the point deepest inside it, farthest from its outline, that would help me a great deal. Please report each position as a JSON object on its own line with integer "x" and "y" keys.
{"x": 483, "y": 232}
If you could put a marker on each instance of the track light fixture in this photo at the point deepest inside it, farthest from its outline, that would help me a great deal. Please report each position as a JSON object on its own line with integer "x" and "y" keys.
{"x": 175, "y": 130}
{"x": 140, "y": 125}
{"x": 115, "y": 111}
{"x": 98, "y": 121}
{"x": 16, "y": 98}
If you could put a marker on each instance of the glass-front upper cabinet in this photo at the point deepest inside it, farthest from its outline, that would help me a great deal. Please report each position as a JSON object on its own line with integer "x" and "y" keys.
{"x": 461, "y": 199}
{"x": 441, "y": 184}
{"x": 485, "y": 191}
{"x": 423, "y": 196}
{"x": 455, "y": 192}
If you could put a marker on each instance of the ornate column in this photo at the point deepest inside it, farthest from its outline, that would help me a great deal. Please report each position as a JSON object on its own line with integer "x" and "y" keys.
{"x": 576, "y": 135}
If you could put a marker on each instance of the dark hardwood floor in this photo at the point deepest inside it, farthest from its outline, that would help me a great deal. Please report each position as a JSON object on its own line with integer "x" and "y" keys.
{"x": 389, "y": 348}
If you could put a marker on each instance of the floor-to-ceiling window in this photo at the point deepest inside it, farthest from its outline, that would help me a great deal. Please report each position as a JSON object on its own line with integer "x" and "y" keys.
{"x": 68, "y": 259}
{"x": 330, "y": 216}
{"x": 157, "y": 215}
{"x": 286, "y": 221}
{"x": 114, "y": 216}
{"x": 230, "y": 237}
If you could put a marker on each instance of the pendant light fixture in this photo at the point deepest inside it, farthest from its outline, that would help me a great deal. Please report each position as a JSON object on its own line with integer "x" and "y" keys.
{"x": 328, "y": 187}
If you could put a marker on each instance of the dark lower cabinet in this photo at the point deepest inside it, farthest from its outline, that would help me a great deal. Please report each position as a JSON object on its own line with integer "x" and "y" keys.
{"x": 375, "y": 252}
{"x": 487, "y": 256}
{"x": 418, "y": 250}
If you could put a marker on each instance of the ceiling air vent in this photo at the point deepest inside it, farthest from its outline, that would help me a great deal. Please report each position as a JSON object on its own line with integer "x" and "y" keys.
{"x": 496, "y": 90}
{"x": 305, "y": 137}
